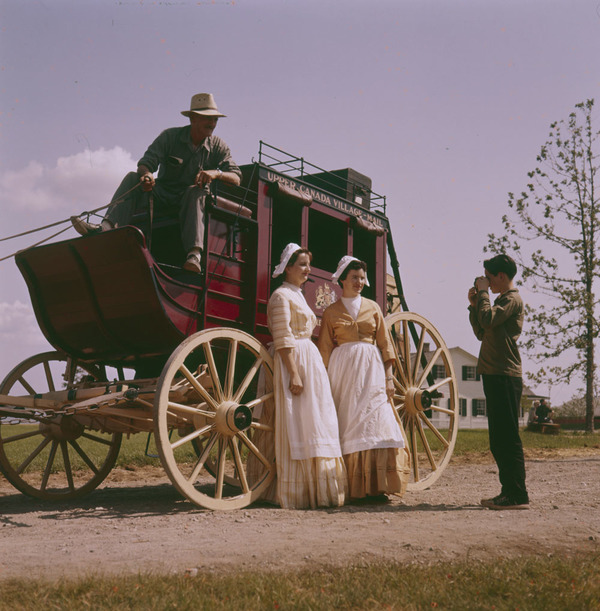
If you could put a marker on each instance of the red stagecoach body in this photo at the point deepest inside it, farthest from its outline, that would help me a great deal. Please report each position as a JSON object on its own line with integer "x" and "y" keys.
{"x": 106, "y": 298}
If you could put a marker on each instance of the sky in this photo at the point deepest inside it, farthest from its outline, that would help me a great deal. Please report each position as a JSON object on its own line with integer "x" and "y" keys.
{"x": 443, "y": 103}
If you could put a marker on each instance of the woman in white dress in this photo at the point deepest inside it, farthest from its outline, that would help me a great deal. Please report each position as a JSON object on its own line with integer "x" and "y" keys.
{"x": 358, "y": 353}
{"x": 310, "y": 468}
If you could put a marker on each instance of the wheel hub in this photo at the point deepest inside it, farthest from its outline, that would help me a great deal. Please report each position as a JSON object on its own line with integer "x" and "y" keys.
{"x": 418, "y": 400}
{"x": 232, "y": 418}
{"x": 62, "y": 428}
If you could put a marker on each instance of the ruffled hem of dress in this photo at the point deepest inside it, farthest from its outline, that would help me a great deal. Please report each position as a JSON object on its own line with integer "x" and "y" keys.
{"x": 373, "y": 472}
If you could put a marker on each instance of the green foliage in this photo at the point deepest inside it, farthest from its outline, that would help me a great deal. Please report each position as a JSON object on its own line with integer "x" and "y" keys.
{"x": 523, "y": 583}
{"x": 552, "y": 232}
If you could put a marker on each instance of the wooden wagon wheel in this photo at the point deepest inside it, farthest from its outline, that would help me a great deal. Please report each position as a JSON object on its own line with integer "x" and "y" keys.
{"x": 214, "y": 419}
{"x": 427, "y": 407}
{"x": 52, "y": 457}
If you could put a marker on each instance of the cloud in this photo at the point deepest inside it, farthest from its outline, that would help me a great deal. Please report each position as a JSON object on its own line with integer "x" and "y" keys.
{"x": 76, "y": 183}
{"x": 18, "y": 324}
{"x": 20, "y": 336}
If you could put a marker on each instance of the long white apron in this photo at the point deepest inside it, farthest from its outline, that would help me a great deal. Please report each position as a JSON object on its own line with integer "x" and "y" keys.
{"x": 365, "y": 415}
{"x": 310, "y": 418}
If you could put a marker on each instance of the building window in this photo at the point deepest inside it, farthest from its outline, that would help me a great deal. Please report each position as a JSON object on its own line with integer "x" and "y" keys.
{"x": 479, "y": 408}
{"x": 469, "y": 374}
{"x": 462, "y": 406}
{"x": 439, "y": 371}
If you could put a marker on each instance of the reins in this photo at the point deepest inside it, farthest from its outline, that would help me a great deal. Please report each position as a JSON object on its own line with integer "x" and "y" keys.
{"x": 87, "y": 213}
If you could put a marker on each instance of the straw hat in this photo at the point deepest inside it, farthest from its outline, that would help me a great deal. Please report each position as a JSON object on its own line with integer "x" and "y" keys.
{"x": 203, "y": 104}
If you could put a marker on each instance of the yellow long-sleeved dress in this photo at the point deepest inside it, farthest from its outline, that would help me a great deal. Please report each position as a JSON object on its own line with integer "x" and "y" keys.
{"x": 354, "y": 351}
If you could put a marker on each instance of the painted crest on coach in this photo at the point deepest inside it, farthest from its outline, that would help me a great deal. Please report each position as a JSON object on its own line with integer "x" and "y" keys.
{"x": 324, "y": 296}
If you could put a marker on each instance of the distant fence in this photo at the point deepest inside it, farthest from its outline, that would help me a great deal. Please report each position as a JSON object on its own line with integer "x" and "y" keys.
{"x": 575, "y": 424}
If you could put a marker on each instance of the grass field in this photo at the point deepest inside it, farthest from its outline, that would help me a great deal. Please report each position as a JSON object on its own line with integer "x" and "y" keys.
{"x": 521, "y": 583}
{"x": 548, "y": 583}
{"x": 468, "y": 441}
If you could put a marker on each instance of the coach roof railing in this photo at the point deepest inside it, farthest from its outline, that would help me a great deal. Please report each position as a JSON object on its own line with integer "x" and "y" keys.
{"x": 297, "y": 167}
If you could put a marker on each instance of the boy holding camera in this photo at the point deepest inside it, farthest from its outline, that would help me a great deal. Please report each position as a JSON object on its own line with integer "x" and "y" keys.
{"x": 498, "y": 327}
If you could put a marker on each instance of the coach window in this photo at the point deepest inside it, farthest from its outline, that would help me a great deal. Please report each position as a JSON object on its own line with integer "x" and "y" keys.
{"x": 327, "y": 240}
{"x": 287, "y": 227}
{"x": 365, "y": 249}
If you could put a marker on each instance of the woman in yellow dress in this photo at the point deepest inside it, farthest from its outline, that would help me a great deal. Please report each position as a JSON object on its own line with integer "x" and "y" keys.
{"x": 357, "y": 351}
{"x": 310, "y": 468}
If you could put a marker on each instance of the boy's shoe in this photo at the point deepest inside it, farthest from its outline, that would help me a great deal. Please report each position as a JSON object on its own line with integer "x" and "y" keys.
{"x": 193, "y": 263}
{"x": 488, "y": 502}
{"x": 504, "y": 502}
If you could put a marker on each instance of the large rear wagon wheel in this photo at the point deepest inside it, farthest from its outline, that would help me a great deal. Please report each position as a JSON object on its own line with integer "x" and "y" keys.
{"x": 426, "y": 406}
{"x": 46, "y": 456}
{"x": 214, "y": 419}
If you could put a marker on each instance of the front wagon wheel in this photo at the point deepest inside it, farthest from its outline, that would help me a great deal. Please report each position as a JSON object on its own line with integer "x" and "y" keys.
{"x": 46, "y": 455}
{"x": 426, "y": 397}
{"x": 214, "y": 419}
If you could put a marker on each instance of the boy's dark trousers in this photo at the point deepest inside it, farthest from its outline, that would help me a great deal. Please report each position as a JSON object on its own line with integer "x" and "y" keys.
{"x": 503, "y": 399}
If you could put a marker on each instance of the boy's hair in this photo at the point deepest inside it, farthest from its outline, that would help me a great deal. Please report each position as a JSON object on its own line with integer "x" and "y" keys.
{"x": 501, "y": 263}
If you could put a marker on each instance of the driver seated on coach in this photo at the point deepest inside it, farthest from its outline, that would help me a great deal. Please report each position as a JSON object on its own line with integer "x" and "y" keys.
{"x": 187, "y": 159}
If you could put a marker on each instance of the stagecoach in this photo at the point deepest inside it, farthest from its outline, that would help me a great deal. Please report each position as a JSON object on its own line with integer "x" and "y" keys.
{"x": 145, "y": 347}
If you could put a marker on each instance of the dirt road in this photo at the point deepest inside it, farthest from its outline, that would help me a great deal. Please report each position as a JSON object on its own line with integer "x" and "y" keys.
{"x": 138, "y": 523}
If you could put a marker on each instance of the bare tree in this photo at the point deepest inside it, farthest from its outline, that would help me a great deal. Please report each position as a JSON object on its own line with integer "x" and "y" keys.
{"x": 552, "y": 231}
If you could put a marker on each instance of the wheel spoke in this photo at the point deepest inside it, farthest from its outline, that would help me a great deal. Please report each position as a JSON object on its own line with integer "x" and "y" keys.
{"x": 33, "y": 455}
{"x": 20, "y": 436}
{"x": 259, "y": 426}
{"x": 67, "y": 462}
{"x": 439, "y": 384}
{"x": 86, "y": 459}
{"x": 192, "y": 435}
{"x": 406, "y": 338}
{"x": 188, "y": 409}
{"x": 230, "y": 374}
{"x": 434, "y": 430}
{"x": 413, "y": 436}
{"x": 49, "y": 377}
{"x": 442, "y": 410}
{"x": 49, "y": 464}
{"x": 202, "y": 458}
{"x": 254, "y": 449}
{"x": 402, "y": 383}
{"x": 106, "y": 442}
{"x": 247, "y": 380}
{"x": 198, "y": 387}
{"x": 237, "y": 458}
{"x": 220, "y": 469}
{"x": 429, "y": 367}
{"x": 259, "y": 400}
{"x": 27, "y": 386}
{"x": 426, "y": 445}
{"x": 419, "y": 354}
{"x": 214, "y": 374}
